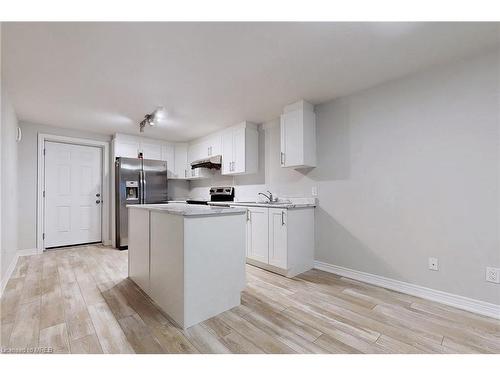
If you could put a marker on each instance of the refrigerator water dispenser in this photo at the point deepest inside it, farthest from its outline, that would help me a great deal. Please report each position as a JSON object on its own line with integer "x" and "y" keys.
{"x": 132, "y": 190}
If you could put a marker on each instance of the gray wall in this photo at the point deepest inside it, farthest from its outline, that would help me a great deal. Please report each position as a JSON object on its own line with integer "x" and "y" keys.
{"x": 9, "y": 170}
{"x": 414, "y": 173}
{"x": 406, "y": 170}
{"x": 27, "y": 177}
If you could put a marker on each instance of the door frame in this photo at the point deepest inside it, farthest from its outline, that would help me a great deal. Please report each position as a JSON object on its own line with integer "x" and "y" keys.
{"x": 105, "y": 180}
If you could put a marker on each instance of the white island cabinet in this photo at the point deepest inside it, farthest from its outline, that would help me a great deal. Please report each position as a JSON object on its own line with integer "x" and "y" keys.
{"x": 189, "y": 259}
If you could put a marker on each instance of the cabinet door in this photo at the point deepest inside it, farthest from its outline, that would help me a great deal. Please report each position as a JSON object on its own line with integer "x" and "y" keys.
{"x": 239, "y": 151}
{"x": 197, "y": 151}
{"x": 258, "y": 233}
{"x": 215, "y": 145}
{"x": 127, "y": 149}
{"x": 181, "y": 161}
{"x": 227, "y": 152}
{"x": 151, "y": 151}
{"x": 192, "y": 153}
{"x": 278, "y": 238}
{"x": 291, "y": 139}
{"x": 168, "y": 155}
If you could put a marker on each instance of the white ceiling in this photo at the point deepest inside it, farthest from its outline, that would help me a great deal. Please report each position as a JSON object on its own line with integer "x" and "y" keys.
{"x": 104, "y": 77}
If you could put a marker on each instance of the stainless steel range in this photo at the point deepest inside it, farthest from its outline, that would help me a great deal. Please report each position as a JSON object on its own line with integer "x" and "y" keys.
{"x": 217, "y": 194}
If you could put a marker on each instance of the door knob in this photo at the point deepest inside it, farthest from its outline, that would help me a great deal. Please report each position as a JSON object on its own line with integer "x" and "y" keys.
{"x": 98, "y": 201}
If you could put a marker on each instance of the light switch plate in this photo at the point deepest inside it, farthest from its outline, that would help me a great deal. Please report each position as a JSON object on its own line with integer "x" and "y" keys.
{"x": 314, "y": 191}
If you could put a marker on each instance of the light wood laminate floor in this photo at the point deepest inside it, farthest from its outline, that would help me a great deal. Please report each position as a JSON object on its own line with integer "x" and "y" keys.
{"x": 79, "y": 300}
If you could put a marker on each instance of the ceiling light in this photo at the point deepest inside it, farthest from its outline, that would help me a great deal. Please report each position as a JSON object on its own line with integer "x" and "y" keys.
{"x": 153, "y": 118}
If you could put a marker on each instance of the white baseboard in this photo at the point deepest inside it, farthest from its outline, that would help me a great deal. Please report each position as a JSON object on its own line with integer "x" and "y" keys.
{"x": 25, "y": 252}
{"x": 12, "y": 266}
{"x": 464, "y": 303}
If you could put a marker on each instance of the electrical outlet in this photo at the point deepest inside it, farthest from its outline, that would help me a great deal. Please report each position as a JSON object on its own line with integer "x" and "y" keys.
{"x": 433, "y": 264}
{"x": 314, "y": 191}
{"x": 493, "y": 275}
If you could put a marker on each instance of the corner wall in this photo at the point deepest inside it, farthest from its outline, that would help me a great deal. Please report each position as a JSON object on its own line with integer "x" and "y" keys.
{"x": 407, "y": 170}
{"x": 415, "y": 175}
{"x": 27, "y": 177}
{"x": 9, "y": 169}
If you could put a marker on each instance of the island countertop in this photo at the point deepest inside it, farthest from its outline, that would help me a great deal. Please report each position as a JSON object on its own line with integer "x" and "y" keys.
{"x": 184, "y": 209}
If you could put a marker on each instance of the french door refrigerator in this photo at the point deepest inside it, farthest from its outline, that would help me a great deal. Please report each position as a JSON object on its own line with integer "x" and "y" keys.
{"x": 137, "y": 181}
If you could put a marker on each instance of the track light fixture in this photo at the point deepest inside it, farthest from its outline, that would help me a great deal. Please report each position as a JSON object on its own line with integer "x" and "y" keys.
{"x": 152, "y": 118}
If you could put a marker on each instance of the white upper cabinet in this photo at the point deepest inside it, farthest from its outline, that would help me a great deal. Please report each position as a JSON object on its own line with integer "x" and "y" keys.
{"x": 151, "y": 150}
{"x": 168, "y": 155}
{"x": 238, "y": 146}
{"x": 197, "y": 151}
{"x": 298, "y": 136}
{"x": 205, "y": 147}
{"x": 240, "y": 149}
{"x": 181, "y": 161}
{"x": 127, "y": 148}
{"x": 214, "y": 145}
{"x": 175, "y": 154}
{"x": 227, "y": 152}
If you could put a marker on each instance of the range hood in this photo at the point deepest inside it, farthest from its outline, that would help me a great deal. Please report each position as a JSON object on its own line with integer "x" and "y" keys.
{"x": 213, "y": 162}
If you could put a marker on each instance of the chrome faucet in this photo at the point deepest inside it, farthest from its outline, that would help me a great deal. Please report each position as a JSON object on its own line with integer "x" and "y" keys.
{"x": 270, "y": 197}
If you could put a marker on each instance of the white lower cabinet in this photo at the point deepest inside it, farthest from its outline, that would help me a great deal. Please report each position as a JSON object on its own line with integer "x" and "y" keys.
{"x": 257, "y": 226}
{"x": 281, "y": 240}
{"x": 278, "y": 237}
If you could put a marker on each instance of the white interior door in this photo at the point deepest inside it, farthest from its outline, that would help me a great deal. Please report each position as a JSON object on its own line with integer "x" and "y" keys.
{"x": 73, "y": 188}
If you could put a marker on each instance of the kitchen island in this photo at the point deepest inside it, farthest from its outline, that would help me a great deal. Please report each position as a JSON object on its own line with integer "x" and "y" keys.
{"x": 190, "y": 259}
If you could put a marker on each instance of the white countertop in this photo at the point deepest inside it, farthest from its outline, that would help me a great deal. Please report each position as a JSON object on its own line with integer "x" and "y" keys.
{"x": 185, "y": 209}
{"x": 288, "y": 204}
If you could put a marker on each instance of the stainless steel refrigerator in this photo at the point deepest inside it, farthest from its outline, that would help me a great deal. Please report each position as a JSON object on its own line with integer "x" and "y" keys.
{"x": 137, "y": 181}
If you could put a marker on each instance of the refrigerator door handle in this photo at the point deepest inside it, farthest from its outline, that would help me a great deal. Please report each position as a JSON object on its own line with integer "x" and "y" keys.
{"x": 143, "y": 187}
{"x": 141, "y": 183}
